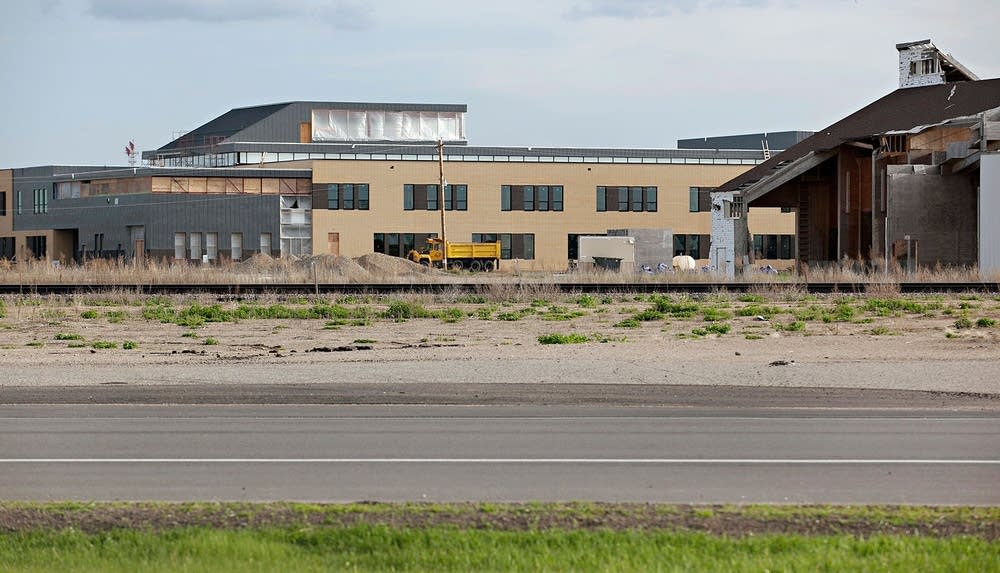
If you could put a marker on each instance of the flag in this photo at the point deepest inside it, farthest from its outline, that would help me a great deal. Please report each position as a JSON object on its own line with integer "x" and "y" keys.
{"x": 131, "y": 146}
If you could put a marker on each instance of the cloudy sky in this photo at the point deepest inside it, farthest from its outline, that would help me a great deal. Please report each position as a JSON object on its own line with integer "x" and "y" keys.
{"x": 79, "y": 78}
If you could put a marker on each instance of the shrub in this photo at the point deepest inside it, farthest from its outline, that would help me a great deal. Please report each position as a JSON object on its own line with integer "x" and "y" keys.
{"x": 557, "y": 338}
{"x": 130, "y": 345}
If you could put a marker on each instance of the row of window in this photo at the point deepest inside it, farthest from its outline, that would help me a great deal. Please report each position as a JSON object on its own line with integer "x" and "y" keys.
{"x": 773, "y": 246}
{"x": 512, "y": 245}
{"x": 624, "y": 199}
{"x": 355, "y": 196}
{"x": 195, "y": 245}
{"x": 425, "y": 197}
{"x": 531, "y": 198}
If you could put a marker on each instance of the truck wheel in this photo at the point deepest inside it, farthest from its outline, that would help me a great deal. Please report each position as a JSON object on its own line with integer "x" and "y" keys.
{"x": 476, "y": 266}
{"x": 457, "y": 265}
{"x": 425, "y": 263}
{"x": 488, "y": 266}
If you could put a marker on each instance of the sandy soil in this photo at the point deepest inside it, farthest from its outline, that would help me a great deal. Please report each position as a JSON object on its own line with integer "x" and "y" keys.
{"x": 904, "y": 351}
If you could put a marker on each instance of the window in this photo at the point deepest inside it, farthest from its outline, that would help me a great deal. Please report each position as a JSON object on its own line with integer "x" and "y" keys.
{"x": 18, "y": 201}
{"x": 6, "y": 248}
{"x": 37, "y": 246}
{"x": 196, "y": 246}
{"x": 425, "y": 197}
{"x": 265, "y": 244}
{"x": 345, "y": 196}
{"x": 212, "y": 246}
{"x": 624, "y": 199}
{"x": 773, "y": 246}
{"x": 512, "y": 245}
{"x": 3, "y": 204}
{"x": 700, "y": 199}
{"x": 531, "y": 198}
{"x": 236, "y": 246}
{"x": 180, "y": 245}
{"x": 786, "y": 209}
{"x": 735, "y": 209}
{"x": 651, "y": 199}
{"x": 400, "y": 244}
{"x": 696, "y": 246}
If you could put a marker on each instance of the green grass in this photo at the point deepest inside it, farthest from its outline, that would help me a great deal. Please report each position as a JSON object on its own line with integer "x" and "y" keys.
{"x": 676, "y": 309}
{"x": 103, "y": 344}
{"x": 68, "y": 336}
{"x": 986, "y": 322}
{"x": 718, "y": 328}
{"x": 89, "y": 314}
{"x": 383, "y": 548}
{"x": 130, "y": 345}
{"x": 209, "y": 341}
{"x": 559, "y": 338}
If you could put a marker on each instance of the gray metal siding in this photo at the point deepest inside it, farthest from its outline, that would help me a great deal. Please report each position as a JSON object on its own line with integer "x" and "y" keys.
{"x": 778, "y": 140}
{"x": 162, "y": 215}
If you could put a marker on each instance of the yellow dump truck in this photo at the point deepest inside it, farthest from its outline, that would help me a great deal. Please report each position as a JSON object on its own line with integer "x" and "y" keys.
{"x": 472, "y": 256}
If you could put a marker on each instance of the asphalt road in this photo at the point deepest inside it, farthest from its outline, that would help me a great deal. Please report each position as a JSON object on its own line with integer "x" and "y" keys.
{"x": 452, "y": 453}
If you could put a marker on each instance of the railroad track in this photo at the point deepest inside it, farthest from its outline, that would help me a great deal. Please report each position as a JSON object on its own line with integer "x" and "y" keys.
{"x": 236, "y": 290}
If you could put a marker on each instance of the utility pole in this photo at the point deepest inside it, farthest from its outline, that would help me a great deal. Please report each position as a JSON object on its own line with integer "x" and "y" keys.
{"x": 441, "y": 184}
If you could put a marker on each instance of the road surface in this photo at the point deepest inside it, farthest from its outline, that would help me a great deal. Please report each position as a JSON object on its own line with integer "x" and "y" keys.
{"x": 336, "y": 453}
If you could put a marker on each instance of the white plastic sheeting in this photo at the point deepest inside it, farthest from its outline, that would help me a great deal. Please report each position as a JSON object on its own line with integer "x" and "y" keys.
{"x": 346, "y": 125}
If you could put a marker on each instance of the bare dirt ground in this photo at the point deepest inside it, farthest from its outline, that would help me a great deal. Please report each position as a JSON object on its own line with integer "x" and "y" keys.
{"x": 719, "y": 520}
{"x": 945, "y": 344}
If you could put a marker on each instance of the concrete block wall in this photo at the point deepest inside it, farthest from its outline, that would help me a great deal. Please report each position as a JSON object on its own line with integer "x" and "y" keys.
{"x": 722, "y": 258}
{"x": 916, "y": 54}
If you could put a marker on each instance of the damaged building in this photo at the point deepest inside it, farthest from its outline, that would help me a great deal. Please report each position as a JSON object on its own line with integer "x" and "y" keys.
{"x": 911, "y": 179}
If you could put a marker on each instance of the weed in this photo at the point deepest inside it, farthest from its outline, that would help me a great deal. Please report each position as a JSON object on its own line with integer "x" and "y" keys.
{"x": 758, "y": 310}
{"x": 603, "y": 338}
{"x": 130, "y": 345}
{"x": 190, "y": 334}
{"x": 699, "y": 332}
{"x": 103, "y": 344}
{"x": 683, "y": 309}
{"x": 558, "y": 338}
{"x": 364, "y": 341}
{"x": 114, "y": 316}
{"x": 750, "y": 298}
{"x": 68, "y": 336}
{"x": 718, "y": 328}
{"x": 753, "y": 337}
{"x": 89, "y": 314}
{"x": 586, "y": 301}
{"x": 210, "y": 341}
{"x": 963, "y": 323}
{"x": 880, "y": 331}
{"x": 76, "y": 345}
{"x": 950, "y": 335}
{"x": 631, "y": 322}
{"x": 451, "y": 314}
{"x": 402, "y": 310}
{"x": 714, "y": 314}
{"x": 986, "y": 322}
{"x": 35, "y": 344}
{"x": 791, "y": 326}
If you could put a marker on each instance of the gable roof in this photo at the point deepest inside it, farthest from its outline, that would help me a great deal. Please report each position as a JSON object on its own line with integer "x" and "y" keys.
{"x": 902, "y": 109}
{"x": 224, "y": 126}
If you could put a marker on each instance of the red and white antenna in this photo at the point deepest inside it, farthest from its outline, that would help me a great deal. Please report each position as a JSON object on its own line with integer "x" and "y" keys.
{"x": 130, "y": 151}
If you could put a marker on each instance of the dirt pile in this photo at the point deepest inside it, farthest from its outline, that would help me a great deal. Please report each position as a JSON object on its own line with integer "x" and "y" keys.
{"x": 334, "y": 268}
{"x": 381, "y": 265}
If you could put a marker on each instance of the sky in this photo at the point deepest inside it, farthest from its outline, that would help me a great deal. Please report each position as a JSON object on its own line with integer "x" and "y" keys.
{"x": 80, "y": 78}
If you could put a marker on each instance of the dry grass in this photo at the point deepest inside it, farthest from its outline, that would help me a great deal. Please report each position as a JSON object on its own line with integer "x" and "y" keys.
{"x": 377, "y": 268}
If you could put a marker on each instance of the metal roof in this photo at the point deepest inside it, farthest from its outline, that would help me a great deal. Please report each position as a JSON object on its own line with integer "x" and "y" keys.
{"x": 902, "y": 109}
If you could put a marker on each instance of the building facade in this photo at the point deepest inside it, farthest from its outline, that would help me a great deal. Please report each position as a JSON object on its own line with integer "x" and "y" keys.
{"x": 313, "y": 178}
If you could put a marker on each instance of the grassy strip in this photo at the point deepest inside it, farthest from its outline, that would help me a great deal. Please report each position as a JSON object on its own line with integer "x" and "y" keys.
{"x": 383, "y": 548}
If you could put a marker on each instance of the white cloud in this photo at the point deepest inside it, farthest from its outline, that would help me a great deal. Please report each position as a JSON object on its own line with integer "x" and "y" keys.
{"x": 339, "y": 13}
